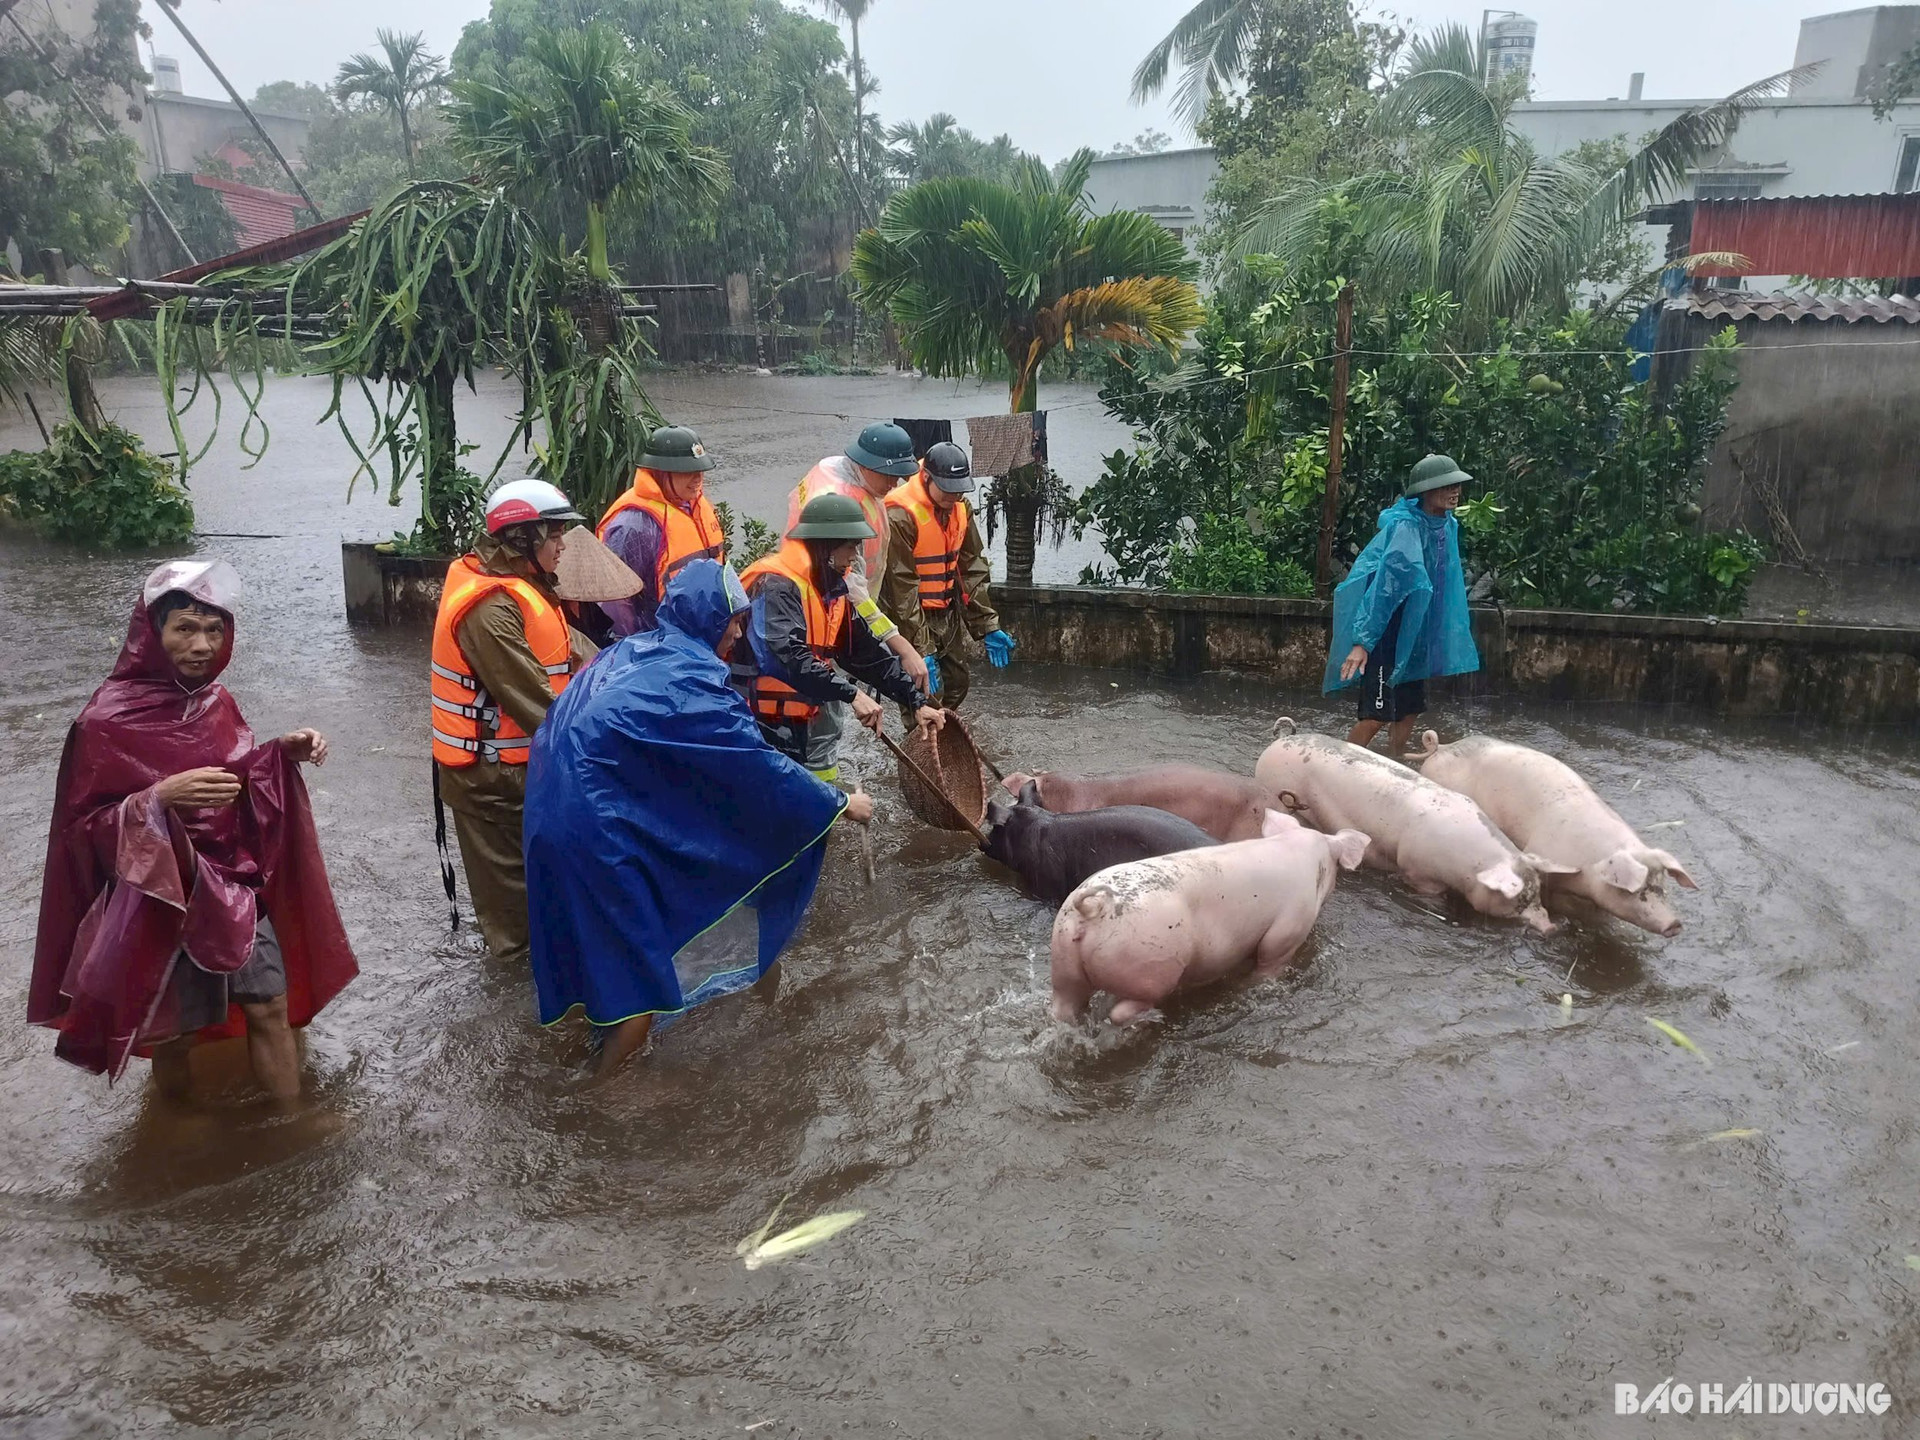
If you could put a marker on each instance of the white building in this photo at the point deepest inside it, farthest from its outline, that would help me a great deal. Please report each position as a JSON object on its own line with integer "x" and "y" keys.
{"x": 1170, "y": 186}
{"x": 1820, "y": 139}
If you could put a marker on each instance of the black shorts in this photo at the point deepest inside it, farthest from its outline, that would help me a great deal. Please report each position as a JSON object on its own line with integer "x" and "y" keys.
{"x": 1380, "y": 698}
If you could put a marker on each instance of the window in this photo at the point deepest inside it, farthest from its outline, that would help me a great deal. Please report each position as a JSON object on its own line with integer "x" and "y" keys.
{"x": 1727, "y": 185}
{"x": 1904, "y": 182}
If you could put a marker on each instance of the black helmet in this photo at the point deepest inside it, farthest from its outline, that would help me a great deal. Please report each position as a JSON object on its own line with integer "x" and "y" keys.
{"x": 948, "y": 467}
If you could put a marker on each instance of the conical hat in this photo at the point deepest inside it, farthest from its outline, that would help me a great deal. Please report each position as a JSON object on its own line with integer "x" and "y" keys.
{"x": 590, "y": 571}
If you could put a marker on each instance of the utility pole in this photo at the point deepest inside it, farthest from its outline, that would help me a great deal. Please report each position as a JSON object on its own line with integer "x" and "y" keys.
{"x": 1336, "y": 439}
{"x": 170, "y": 8}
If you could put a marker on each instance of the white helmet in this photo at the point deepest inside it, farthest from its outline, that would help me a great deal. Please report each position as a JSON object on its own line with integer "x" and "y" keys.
{"x": 520, "y": 501}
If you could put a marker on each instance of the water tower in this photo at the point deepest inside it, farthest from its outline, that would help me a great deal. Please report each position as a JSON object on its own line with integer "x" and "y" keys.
{"x": 1507, "y": 37}
{"x": 166, "y": 75}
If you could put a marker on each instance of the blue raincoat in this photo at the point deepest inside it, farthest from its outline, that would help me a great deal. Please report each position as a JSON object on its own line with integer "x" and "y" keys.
{"x": 671, "y": 852}
{"x": 1411, "y": 566}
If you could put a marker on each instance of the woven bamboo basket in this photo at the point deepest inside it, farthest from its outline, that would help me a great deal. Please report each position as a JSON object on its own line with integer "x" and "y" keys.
{"x": 953, "y": 761}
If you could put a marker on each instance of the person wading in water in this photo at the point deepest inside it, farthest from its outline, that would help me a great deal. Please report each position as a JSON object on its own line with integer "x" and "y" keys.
{"x": 502, "y": 650}
{"x": 671, "y": 851}
{"x": 662, "y": 521}
{"x": 869, "y": 470}
{"x": 185, "y": 897}
{"x": 937, "y": 577}
{"x": 804, "y": 625}
{"x": 1401, "y": 615}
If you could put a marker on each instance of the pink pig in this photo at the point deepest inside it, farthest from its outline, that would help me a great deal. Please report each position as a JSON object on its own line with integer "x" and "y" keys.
{"x": 1546, "y": 807}
{"x": 1436, "y": 838}
{"x": 1143, "y": 930}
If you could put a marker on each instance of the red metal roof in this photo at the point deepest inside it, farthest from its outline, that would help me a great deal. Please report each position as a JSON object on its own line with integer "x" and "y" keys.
{"x": 1828, "y": 237}
{"x": 1738, "y": 305}
{"x": 262, "y": 214}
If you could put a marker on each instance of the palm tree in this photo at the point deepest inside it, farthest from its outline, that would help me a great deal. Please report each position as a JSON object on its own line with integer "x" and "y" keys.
{"x": 1475, "y": 211}
{"x": 934, "y": 150}
{"x": 987, "y": 279}
{"x": 400, "y": 78}
{"x": 1213, "y": 40}
{"x": 580, "y": 126}
{"x": 855, "y": 11}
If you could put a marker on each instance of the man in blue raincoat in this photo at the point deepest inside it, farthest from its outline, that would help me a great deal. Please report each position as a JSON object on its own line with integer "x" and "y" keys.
{"x": 1401, "y": 615}
{"x": 671, "y": 851}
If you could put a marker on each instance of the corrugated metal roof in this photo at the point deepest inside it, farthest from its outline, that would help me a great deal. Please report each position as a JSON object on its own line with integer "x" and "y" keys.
{"x": 1829, "y": 237}
{"x": 262, "y": 214}
{"x": 1738, "y": 305}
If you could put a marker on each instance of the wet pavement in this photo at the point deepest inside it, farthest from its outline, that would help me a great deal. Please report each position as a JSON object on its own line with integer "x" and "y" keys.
{"x": 1399, "y": 1193}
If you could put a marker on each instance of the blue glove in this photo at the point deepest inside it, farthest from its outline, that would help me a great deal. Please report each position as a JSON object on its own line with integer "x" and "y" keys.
{"x": 1000, "y": 647}
{"x": 933, "y": 676}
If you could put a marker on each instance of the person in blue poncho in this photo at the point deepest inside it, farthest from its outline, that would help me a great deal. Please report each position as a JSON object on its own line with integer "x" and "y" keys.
{"x": 671, "y": 852}
{"x": 1401, "y": 616}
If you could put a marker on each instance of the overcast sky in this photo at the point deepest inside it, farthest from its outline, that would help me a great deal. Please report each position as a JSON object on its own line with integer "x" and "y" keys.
{"x": 1052, "y": 73}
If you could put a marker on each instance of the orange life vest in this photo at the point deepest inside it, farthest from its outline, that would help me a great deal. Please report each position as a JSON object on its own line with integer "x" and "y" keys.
{"x": 468, "y": 726}
{"x": 836, "y": 475}
{"x": 698, "y": 536}
{"x": 774, "y": 701}
{"x": 936, "y": 544}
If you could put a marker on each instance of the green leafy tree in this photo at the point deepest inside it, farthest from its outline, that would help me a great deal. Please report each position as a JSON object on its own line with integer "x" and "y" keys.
{"x": 293, "y": 97}
{"x": 576, "y": 123}
{"x": 1474, "y": 211}
{"x": 402, "y": 78}
{"x": 854, "y": 12}
{"x": 989, "y": 279}
{"x": 757, "y": 77}
{"x": 204, "y": 222}
{"x": 63, "y": 184}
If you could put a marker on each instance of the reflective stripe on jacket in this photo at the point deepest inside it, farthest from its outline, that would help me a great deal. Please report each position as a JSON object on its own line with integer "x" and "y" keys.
{"x": 774, "y": 701}
{"x": 688, "y": 537}
{"x": 936, "y": 544}
{"x": 468, "y": 726}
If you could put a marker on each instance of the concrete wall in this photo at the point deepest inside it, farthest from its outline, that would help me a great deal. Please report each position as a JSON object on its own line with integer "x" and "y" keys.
{"x": 180, "y": 129}
{"x": 1855, "y": 47}
{"x": 1836, "y": 674}
{"x": 1171, "y": 187}
{"x": 1832, "y": 429}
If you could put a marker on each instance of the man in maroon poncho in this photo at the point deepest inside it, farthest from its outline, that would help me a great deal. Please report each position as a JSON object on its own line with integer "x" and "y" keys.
{"x": 185, "y": 896}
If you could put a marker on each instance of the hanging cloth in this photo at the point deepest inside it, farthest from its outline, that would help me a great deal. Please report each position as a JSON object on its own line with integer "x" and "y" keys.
{"x": 926, "y": 434}
{"x": 1003, "y": 442}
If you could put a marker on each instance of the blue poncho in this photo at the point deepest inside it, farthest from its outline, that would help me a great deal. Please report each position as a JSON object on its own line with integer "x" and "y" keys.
{"x": 671, "y": 852}
{"x": 1412, "y": 566}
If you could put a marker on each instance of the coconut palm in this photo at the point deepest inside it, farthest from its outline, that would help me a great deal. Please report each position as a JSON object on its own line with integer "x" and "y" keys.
{"x": 1213, "y": 41}
{"x": 400, "y": 78}
{"x": 578, "y": 126}
{"x": 1475, "y": 210}
{"x": 855, "y": 11}
{"x": 988, "y": 279}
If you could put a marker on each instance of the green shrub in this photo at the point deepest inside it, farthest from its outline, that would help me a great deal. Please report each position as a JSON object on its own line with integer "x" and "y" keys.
{"x": 1586, "y": 483}
{"x": 756, "y": 539}
{"x": 103, "y": 489}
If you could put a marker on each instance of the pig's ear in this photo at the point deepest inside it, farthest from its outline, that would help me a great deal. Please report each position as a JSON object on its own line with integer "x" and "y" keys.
{"x": 1543, "y": 866}
{"x": 1273, "y": 823}
{"x": 1029, "y": 793}
{"x": 1503, "y": 879}
{"x": 1624, "y": 871}
{"x": 1674, "y": 868}
{"x": 1015, "y": 782}
{"x": 1349, "y": 848}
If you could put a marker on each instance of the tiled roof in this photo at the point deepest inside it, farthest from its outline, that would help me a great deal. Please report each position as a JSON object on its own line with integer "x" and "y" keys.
{"x": 1739, "y": 305}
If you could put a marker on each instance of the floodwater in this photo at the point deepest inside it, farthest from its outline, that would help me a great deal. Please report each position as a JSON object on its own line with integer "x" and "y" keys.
{"x": 1399, "y": 1193}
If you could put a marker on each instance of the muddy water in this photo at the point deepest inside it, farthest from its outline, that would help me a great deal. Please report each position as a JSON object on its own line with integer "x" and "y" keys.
{"x": 1397, "y": 1194}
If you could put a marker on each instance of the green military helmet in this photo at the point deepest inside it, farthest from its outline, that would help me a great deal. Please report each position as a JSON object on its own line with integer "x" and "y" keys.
{"x": 677, "y": 450}
{"x": 1436, "y": 472}
{"x": 885, "y": 449}
{"x": 831, "y": 517}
